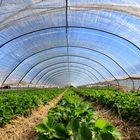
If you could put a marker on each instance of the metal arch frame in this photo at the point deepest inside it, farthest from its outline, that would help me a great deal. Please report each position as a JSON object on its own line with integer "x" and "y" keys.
{"x": 71, "y": 67}
{"x": 65, "y": 62}
{"x": 118, "y": 64}
{"x": 70, "y": 47}
{"x": 79, "y": 57}
{"x": 91, "y": 61}
{"x": 44, "y": 69}
{"x": 109, "y": 58}
{"x": 54, "y": 79}
{"x": 62, "y": 71}
{"x": 67, "y": 66}
{"x": 59, "y": 27}
{"x": 51, "y": 82}
{"x": 71, "y": 62}
{"x": 33, "y": 55}
{"x": 103, "y": 55}
{"x": 79, "y": 69}
{"x": 87, "y": 49}
{"x": 62, "y": 47}
{"x": 70, "y": 27}
{"x": 57, "y": 76}
{"x": 48, "y": 79}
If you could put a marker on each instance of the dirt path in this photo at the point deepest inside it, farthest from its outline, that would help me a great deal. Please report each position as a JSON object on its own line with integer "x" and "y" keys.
{"x": 23, "y": 128}
{"x": 128, "y": 131}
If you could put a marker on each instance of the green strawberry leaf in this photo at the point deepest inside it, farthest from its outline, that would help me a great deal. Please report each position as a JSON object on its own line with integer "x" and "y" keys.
{"x": 41, "y": 128}
{"x": 84, "y": 133}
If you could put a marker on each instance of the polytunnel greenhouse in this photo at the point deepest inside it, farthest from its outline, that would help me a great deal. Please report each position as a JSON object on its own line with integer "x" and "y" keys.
{"x": 79, "y": 59}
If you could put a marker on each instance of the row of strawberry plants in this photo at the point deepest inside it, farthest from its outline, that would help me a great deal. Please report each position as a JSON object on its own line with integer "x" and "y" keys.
{"x": 74, "y": 119}
{"x": 15, "y": 103}
{"x": 127, "y": 105}
{"x": 20, "y": 91}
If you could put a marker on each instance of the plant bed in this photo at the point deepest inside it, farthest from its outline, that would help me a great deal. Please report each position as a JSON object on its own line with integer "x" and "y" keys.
{"x": 127, "y": 105}
{"x": 15, "y": 104}
{"x": 74, "y": 119}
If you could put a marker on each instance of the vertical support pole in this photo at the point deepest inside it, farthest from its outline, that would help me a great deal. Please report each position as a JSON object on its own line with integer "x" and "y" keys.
{"x": 67, "y": 39}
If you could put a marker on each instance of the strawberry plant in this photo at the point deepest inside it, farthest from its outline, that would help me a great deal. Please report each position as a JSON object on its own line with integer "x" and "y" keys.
{"x": 74, "y": 119}
{"x": 127, "y": 105}
{"x": 21, "y": 102}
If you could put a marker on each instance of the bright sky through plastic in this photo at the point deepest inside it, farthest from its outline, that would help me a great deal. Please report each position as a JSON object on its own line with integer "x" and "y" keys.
{"x": 102, "y": 38}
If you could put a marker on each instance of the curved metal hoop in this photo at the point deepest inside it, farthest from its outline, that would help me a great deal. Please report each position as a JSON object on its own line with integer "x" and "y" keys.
{"x": 77, "y": 47}
{"x": 73, "y": 68}
{"x": 70, "y": 62}
{"x": 62, "y": 72}
{"x": 50, "y": 70}
{"x": 69, "y": 27}
{"x": 86, "y": 58}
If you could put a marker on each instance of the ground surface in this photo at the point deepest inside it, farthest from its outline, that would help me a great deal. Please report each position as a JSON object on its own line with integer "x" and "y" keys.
{"x": 128, "y": 130}
{"x": 23, "y": 128}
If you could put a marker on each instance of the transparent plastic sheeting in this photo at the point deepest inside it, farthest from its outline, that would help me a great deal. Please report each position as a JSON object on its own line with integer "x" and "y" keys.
{"x": 70, "y": 42}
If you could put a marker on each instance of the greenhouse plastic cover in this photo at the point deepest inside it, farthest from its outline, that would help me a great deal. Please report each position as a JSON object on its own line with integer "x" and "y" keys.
{"x": 70, "y": 42}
